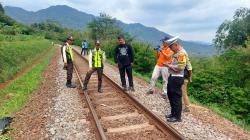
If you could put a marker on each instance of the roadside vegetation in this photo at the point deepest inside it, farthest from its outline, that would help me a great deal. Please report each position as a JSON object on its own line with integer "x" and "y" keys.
{"x": 221, "y": 82}
{"x": 18, "y": 54}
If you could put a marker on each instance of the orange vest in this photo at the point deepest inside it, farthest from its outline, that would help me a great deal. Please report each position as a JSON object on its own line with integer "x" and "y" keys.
{"x": 162, "y": 59}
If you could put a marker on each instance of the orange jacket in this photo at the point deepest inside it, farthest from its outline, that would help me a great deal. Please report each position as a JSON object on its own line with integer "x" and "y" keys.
{"x": 162, "y": 59}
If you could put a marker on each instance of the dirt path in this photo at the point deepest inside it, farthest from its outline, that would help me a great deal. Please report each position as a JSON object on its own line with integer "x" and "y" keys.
{"x": 54, "y": 111}
{"x": 29, "y": 122}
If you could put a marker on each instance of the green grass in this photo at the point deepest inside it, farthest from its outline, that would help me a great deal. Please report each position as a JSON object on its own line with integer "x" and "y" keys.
{"x": 20, "y": 90}
{"x": 18, "y": 53}
{"x": 4, "y": 137}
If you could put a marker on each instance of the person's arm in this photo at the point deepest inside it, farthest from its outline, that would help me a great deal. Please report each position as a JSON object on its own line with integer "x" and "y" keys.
{"x": 166, "y": 56}
{"x": 182, "y": 61}
{"x": 131, "y": 54}
{"x": 90, "y": 59}
{"x": 64, "y": 54}
{"x": 190, "y": 73}
{"x": 158, "y": 54}
{"x": 103, "y": 57}
{"x": 115, "y": 55}
{"x": 189, "y": 68}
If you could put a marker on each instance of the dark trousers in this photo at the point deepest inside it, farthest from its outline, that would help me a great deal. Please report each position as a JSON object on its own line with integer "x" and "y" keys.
{"x": 84, "y": 51}
{"x": 175, "y": 94}
{"x": 69, "y": 72}
{"x": 99, "y": 74}
{"x": 128, "y": 70}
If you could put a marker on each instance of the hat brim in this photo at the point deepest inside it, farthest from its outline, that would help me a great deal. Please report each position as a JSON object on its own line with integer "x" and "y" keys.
{"x": 173, "y": 40}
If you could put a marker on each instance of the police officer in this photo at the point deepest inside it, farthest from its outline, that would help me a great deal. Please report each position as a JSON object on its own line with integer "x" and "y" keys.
{"x": 175, "y": 80}
{"x": 68, "y": 60}
{"x": 96, "y": 60}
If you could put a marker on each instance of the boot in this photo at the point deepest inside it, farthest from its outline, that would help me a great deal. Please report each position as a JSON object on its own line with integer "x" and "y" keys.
{"x": 131, "y": 89}
{"x": 84, "y": 88}
{"x": 100, "y": 90}
{"x": 150, "y": 92}
{"x": 69, "y": 84}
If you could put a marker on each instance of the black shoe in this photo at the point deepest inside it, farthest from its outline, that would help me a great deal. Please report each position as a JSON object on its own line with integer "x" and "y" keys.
{"x": 100, "y": 90}
{"x": 124, "y": 88}
{"x": 169, "y": 116}
{"x": 173, "y": 119}
{"x": 131, "y": 89}
{"x": 150, "y": 92}
{"x": 71, "y": 85}
{"x": 164, "y": 96}
{"x": 84, "y": 88}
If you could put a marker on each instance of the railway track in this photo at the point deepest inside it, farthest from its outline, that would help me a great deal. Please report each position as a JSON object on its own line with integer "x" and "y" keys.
{"x": 118, "y": 115}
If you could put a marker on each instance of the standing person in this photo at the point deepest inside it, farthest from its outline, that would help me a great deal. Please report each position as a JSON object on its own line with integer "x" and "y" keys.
{"x": 84, "y": 47}
{"x": 176, "y": 79}
{"x": 96, "y": 60}
{"x": 187, "y": 78}
{"x": 68, "y": 60}
{"x": 124, "y": 57}
{"x": 164, "y": 55}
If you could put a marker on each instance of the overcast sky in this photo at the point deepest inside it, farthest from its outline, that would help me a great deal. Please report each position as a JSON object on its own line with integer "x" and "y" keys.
{"x": 195, "y": 20}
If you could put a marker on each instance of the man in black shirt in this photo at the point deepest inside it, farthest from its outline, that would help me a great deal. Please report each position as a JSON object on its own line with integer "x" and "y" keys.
{"x": 124, "y": 57}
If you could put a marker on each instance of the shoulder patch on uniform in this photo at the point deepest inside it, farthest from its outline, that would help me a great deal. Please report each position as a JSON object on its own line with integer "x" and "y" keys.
{"x": 181, "y": 56}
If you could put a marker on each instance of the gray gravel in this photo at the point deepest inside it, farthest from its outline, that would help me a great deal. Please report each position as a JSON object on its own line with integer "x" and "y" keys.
{"x": 190, "y": 127}
{"x": 68, "y": 118}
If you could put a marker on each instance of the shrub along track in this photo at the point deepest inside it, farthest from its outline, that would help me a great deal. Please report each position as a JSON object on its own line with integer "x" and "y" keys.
{"x": 117, "y": 114}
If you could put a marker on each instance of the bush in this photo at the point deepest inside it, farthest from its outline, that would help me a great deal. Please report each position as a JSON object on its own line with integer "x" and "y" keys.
{"x": 224, "y": 81}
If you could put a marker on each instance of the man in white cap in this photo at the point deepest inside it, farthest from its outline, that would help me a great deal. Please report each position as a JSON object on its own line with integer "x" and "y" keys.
{"x": 96, "y": 59}
{"x": 176, "y": 79}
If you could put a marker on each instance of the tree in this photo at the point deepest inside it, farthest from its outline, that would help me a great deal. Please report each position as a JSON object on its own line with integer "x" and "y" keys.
{"x": 104, "y": 27}
{"x": 1, "y": 9}
{"x": 232, "y": 34}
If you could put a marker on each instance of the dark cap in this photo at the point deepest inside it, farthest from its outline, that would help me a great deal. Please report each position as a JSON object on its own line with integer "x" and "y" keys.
{"x": 97, "y": 42}
{"x": 70, "y": 38}
{"x": 167, "y": 37}
{"x": 121, "y": 36}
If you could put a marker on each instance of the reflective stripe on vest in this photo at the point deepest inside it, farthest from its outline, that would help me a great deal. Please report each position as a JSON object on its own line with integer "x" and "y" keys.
{"x": 97, "y": 56}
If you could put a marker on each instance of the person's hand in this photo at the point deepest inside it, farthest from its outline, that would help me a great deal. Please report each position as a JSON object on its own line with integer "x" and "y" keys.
{"x": 90, "y": 68}
{"x": 65, "y": 66}
{"x": 166, "y": 64}
{"x": 190, "y": 79}
{"x": 131, "y": 64}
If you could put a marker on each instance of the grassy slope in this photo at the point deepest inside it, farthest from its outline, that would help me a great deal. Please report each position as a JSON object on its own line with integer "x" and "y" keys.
{"x": 20, "y": 89}
{"x": 18, "y": 52}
